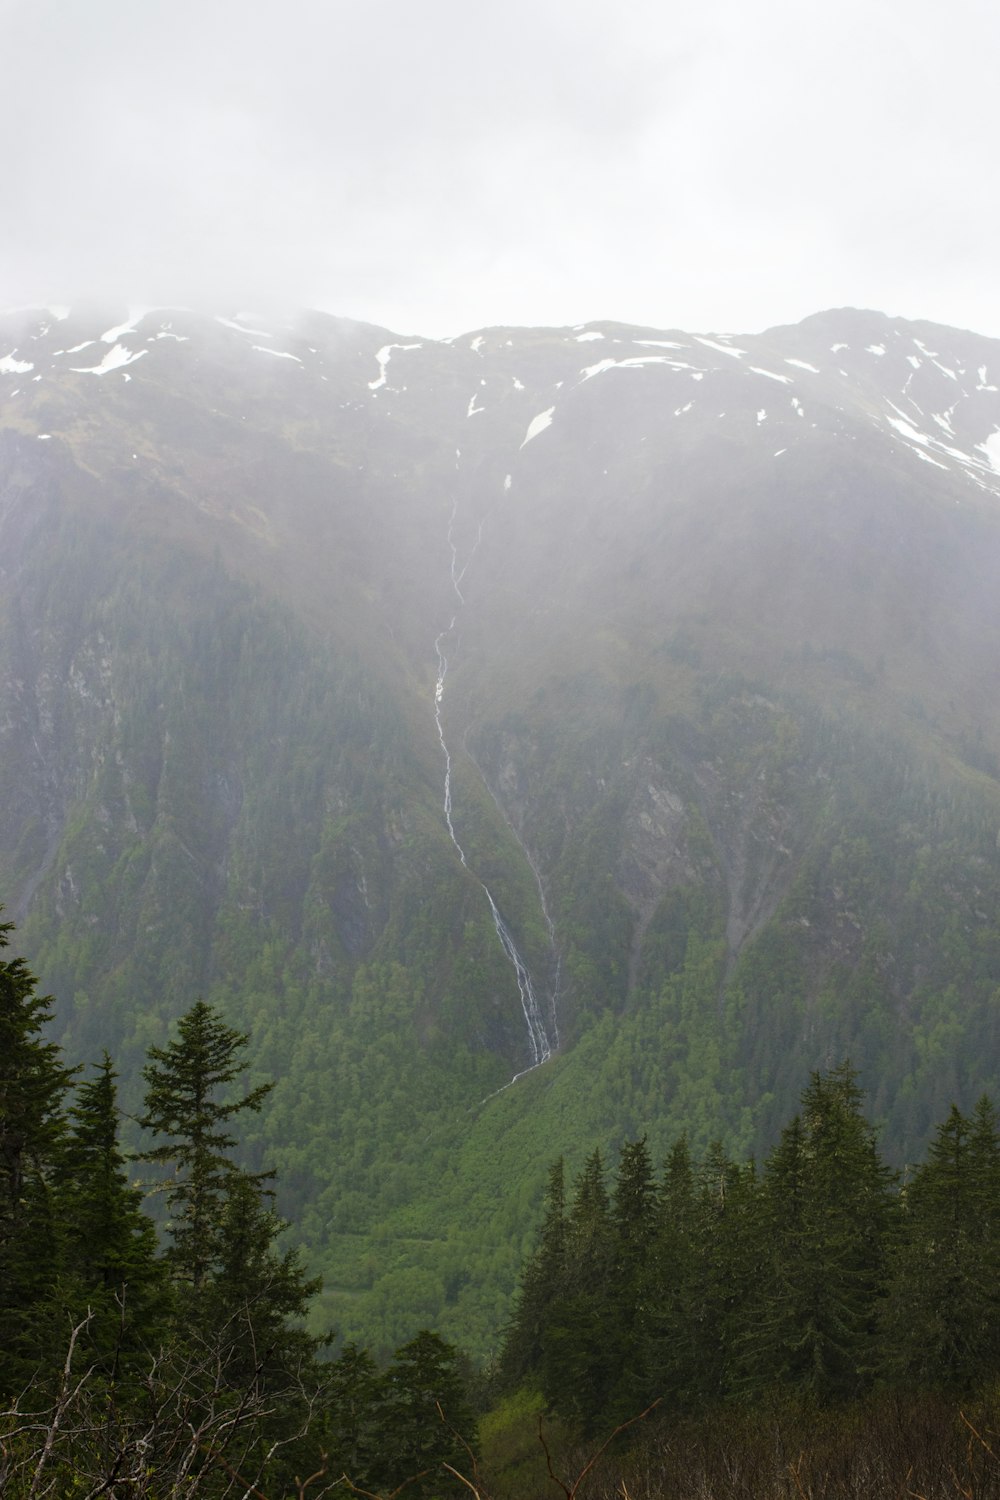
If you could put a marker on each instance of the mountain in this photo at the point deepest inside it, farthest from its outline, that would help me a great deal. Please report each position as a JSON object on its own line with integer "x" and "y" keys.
{"x": 612, "y": 709}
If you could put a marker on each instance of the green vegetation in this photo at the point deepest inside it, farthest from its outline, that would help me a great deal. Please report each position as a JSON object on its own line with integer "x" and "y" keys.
{"x": 850, "y": 1317}
{"x": 128, "y": 1370}
{"x": 817, "y": 1299}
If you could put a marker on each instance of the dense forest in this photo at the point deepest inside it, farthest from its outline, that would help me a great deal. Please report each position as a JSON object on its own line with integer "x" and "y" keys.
{"x": 664, "y": 1320}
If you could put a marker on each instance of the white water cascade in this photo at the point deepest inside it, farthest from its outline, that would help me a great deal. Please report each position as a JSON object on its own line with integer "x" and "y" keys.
{"x": 540, "y": 1045}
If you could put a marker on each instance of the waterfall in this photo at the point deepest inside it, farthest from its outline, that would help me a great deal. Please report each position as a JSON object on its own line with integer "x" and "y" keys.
{"x": 540, "y": 1045}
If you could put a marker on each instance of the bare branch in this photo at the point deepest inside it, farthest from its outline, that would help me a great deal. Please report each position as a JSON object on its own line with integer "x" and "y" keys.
{"x": 622, "y": 1426}
{"x": 62, "y": 1402}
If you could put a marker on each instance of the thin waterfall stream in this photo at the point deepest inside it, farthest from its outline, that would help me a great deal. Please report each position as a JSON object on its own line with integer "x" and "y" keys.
{"x": 540, "y": 1045}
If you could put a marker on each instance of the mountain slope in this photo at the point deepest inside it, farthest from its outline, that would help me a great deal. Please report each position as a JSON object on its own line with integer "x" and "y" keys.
{"x": 609, "y": 696}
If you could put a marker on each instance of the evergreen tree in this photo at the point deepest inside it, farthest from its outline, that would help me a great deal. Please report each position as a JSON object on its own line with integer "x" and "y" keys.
{"x": 240, "y": 1353}
{"x": 183, "y": 1080}
{"x": 540, "y": 1285}
{"x": 577, "y": 1366}
{"x": 942, "y": 1318}
{"x": 424, "y": 1418}
{"x": 257, "y": 1296}
{"x": 825, "y": 1213}
{"x": 672, "y": 1335}
{"x": 352, "y": 1435}
{"x": 33, "y": 1087}
{"x": 724, "y": 1272}
{"x": 111, "y": 1266}
{"x": 634, "y": 1222}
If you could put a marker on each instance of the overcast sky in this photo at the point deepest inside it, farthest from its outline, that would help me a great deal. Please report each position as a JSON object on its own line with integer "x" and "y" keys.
{"x": 437, "y": 166}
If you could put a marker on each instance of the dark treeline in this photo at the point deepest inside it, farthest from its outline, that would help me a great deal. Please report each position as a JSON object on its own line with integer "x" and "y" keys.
{"x": 821, "y": 1277}
{"x": 187, "y": 1370}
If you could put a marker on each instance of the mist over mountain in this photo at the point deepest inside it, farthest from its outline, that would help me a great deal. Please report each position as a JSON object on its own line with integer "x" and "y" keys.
{"x": 609, "y": 707}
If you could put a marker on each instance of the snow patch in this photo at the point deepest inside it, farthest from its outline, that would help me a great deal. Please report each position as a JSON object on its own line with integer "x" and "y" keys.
{"x": 112, "y": 335}
{"x": 761, "y": 416}
{"x": 682, "y": 409}
{"x": 907, "y": 430}
{"x": 260, "y": 333}
{"x": 875, "y": 349}
{"x": 834, "y": 347}
{"x": 11, "y": 366}
{"x": 583, "y": 338}
{"x": 517, "y": 384}
{"x": 660, "y": 344}
{"x": 506, "y": 481}
{"x": 801, "y": 364}
{"x": 780, "y": 451}
{"x": 914, "y": 361}
{"x": 278, "y": 353}
{"x": 589, "y": 371}
{"x": 113, "y": 360}
{"x": 722, "y": 348}
{"x": 472, "y": 407}
{"x": 991, "y": 447}
{"x": 43, "y": 437}
{"x": 383, "y": 357}
{"x": 538, "y": 424}
{"x": 785, "y": 379}
{"x": 477, "y": 343}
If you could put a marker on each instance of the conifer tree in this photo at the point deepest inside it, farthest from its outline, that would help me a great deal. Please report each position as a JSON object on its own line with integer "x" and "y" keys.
{"x": 424, "y": 1417}
{"x": 633, "y": 1220}
{"x": 826, "y": 1210}
{"x": 33, "y": 1087}
{"x": 352, "y": 1434}
{"x": 673, "y": 1336}
{"x": 941, "y": 1322}
{"x": 724, "y": 1270}
{"x": 256, "y": 1296}
{"x": 577, "y": 1357}
{"x": 112, "y": 1269}
{"x": 183, "y": 1080}
{"x": 540, "y": 1285}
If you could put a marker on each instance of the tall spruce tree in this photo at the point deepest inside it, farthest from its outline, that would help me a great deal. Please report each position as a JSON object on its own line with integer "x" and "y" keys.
{"x": 540, "y": 1285}
{"x": 184, "y": 1080}
{"x": 826, "y": 1209}
{"x": 240, "y": 1350}
{"x": 723, "y": 1274}
{"x": 941, "y": 1323}
{"x": 577, "y": 1367}
{"x": 257, "y": 1296}
{"x": 33, "y": 1089}
{"x": 112, "y": 1270}
{"x": 673, "y": 1334}
{"x": 634, "y": 1223}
